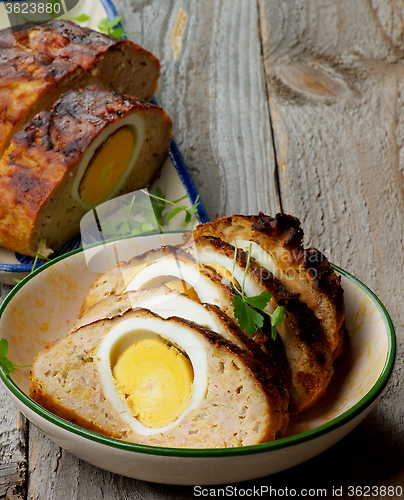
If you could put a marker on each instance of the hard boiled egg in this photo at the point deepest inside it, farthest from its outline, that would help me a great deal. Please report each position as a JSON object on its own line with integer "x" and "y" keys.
{"x": 108, "y": 161}
{"x": 152, "y": 372}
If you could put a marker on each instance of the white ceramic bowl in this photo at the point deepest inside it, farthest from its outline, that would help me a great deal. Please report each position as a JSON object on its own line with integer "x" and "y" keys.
{"x": 45, "y": 305}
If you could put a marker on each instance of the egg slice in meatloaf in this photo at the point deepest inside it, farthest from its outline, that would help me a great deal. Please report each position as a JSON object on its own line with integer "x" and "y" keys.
{"x": 276, "y": 245}
{"x": 91, "y": 146}
{"x": 167, "y": 265}
{"x": 113, "y": 376}
{"x": 39, "y": 62}
{"x": 167, "y": 302}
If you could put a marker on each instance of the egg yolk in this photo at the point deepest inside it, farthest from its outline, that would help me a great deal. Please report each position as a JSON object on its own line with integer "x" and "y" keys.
{"x": 174, "y": 284}
{"x": 155, "y": 380}
{"x": 107, "y": 166}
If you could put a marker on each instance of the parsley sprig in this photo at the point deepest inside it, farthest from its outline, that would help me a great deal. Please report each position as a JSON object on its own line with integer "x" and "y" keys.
{"x": 127, "y": 225}
{"x": 110, "y": 27}
{"x": 159, "y": 204}
{"x": 7, "y": 365}
{"x": 143, "y": 218}
{"x": 106, "y": 26}
{"x": 248, "y": 310}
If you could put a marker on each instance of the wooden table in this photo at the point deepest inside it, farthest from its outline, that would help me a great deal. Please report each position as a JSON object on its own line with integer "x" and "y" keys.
{"x": 292, "y": 105}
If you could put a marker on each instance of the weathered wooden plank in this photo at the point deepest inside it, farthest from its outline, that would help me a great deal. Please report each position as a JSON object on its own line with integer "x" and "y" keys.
{"x": 335, "y": 80}
{"x": 55, "y": 474}
{"x": 13, "y": 453}
{"x": 213, "y": 89}
{"x": 13, "y": 436}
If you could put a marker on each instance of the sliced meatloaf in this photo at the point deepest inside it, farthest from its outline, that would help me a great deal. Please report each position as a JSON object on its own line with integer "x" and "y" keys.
{"x": 40, "y": 62}
{"x": 166, "y": 302}
{"x": 157, "y": 267}
{"x": 308, "y": 354}
{"x": 277, "y": 246}
{"x": 91, "y": 146}
{"x": 169, "y": 266}
{"x": 240, "y": 405}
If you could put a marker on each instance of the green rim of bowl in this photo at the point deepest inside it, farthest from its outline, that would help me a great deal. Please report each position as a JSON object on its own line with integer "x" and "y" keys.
{"x": 316, "y": 432}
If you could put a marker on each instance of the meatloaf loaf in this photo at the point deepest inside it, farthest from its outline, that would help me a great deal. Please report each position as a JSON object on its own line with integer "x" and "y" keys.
{"x": 91, "y": 146}
{"x": 40, "y": 62}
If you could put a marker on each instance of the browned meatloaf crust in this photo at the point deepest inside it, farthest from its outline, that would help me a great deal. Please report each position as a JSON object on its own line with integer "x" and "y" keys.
{"x": 40, "y": 62}
{"x": 39, "y": 168}
{"x": 241, "y": 407}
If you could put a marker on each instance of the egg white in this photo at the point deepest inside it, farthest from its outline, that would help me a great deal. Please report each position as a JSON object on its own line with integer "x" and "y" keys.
{"x": 263, "y": 258}
{"x": 135, "y": 124}
{"x": 134, "y": 330}
{"x": 251, "y": 288}
{"x": 206, "y": 290}
{"x": 176, "y": 304}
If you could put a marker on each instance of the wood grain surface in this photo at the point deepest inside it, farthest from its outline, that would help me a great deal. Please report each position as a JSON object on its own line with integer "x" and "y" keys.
{"x": 292, "y": 105}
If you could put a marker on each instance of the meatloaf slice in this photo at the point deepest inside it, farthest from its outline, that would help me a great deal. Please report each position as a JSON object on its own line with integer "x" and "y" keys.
{"x": 157, "y": 267}
{"x": 277, "y": 246}
{"x": 91, "y": 146}
{"x": 307, "y": 352}
{"x": 169, "y": 266}
{"x": 167, "y": 303}
{"x": 240, "y": 407}
{"x": 40, "y": 62}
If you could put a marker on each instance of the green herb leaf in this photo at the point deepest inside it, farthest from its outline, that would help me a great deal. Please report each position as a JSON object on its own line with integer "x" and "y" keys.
{"x": 109, "y": 27}
{"x": 117, "y": 33}
{"x": 259, "y": 301}
{"x": 147, "y": 228}
{"x": 80, "y": 19}
{"x": 106, "y": 26}
{"x": 7, "y": 365}
{"x": 158, "y": 204}
{"x": 276, "y": 320}
{"x": 248, "y": 319}
{"x": 148, "y": 217}
{"x": 191, "y": 211}
{"x": 109, "y": 228}
{"x": 3, "y": 348}
{"x": 37, "y": 256}
{"x": 175, "y": 211}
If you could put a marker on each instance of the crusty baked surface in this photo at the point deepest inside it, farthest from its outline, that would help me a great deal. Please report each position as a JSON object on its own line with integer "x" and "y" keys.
{"x": 40, "y": 62}
{"x": 39, "y": 167}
